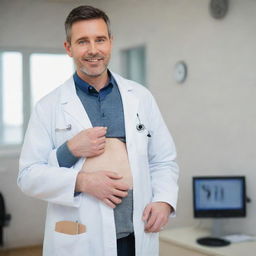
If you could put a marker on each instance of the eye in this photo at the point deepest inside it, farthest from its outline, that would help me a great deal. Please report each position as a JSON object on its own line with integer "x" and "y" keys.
{"x": 82, "y": 42}
{"x": 100, "y": 40}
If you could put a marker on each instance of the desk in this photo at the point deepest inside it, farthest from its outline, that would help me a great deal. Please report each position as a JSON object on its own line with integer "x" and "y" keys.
{"x": 182, "y": 242}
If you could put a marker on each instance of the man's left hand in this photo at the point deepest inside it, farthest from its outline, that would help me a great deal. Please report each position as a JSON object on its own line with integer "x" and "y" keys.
{"x": 156, "y": 216}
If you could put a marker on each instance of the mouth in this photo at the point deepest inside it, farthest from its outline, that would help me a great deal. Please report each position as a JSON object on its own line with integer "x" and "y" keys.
{"x": 93, "y": 59}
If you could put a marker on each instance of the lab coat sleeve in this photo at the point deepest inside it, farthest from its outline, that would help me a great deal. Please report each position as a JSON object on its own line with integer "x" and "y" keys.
{"x": 39, "y": 173}
{"x": 162, "y": 154}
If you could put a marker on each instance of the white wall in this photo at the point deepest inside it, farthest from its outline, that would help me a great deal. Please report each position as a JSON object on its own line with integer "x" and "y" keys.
{"x": 211, "y": 116}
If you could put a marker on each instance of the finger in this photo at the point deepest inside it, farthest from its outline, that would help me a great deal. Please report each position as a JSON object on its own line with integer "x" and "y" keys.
{"x": 109, "y": 203}
{"x": 101, "y": 146}
{"x": 100, "y": 131}
{"x": 120, "y": 193}
{"x": 115, "y": 200}
{"x": 101, "y": 140}
{"x": 113, "y": 175}
{"x": 151, "y": 222}
{"x": 121, "y": 185}
{"x": 98, "y": 128}
{"x": 156, "y": 227}
{"x": 99, "y": 152}
{"x": 146, "y": 212}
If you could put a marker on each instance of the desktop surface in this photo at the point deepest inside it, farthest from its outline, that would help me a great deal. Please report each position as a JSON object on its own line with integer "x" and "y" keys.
{"x": 185, "y": 238}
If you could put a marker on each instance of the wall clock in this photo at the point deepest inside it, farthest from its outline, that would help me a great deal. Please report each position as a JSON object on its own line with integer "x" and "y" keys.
{"x": 218, "y": 8}
{"x": 180, "y": 71}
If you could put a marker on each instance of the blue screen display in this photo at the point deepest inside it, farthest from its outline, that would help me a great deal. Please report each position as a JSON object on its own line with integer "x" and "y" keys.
{"x": 218, "y": 194}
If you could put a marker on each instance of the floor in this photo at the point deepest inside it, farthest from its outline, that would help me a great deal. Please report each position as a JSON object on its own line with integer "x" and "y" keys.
{"x": 28, "y": 251}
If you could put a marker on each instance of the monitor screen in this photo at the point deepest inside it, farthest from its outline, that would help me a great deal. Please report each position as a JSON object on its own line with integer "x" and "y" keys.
{"x": 219, "y": 196}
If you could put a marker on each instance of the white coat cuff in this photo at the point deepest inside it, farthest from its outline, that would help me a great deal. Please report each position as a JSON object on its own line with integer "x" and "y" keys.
{"x": 171, "y": 203}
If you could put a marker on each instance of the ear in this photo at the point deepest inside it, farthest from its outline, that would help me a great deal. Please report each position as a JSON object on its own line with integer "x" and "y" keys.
{"x": 67, "y": 47}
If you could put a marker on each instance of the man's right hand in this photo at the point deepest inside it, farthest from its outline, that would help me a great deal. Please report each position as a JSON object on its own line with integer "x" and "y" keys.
{"x": 104, "y": 185}
{"x": 88, "y": 143}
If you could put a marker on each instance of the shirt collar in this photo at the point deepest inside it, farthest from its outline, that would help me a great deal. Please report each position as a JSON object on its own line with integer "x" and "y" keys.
{"x": 89, "y": 89}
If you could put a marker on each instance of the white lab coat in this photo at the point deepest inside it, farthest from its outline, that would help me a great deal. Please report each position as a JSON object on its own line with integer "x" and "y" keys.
{"x": 152, "y": 161}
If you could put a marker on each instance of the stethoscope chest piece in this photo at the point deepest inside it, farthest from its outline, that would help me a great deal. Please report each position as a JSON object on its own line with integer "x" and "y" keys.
{"x": 140, "y": 127}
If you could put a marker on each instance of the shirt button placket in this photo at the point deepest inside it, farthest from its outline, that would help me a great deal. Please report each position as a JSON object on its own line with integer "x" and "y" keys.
{"x": 102, "y": 114}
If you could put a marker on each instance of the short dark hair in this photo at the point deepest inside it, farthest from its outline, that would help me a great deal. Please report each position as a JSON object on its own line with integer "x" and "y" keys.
{"x": 84, "y": 12}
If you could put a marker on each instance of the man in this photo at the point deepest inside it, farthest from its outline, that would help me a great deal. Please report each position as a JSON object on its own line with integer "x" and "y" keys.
{"x": 98, "y": 151}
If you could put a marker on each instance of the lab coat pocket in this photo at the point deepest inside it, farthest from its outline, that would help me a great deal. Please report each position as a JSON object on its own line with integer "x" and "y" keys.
{"x": 64, "y": 133}
{"x": 66, "y": 245}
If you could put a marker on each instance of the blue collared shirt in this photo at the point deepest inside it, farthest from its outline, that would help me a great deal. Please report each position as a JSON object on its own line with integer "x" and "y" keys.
{"x": 105, "y": 107}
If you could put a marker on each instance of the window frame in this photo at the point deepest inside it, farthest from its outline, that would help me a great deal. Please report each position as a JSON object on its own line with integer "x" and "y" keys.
{"x": 125, "y": 62}
{"x": 14, "y": 149}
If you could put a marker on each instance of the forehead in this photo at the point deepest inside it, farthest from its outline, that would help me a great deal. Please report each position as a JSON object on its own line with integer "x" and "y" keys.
{"x": 89, "y": 28}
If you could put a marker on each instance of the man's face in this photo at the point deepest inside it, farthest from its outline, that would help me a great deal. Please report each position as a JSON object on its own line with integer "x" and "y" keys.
{"x": 90, "y": 47}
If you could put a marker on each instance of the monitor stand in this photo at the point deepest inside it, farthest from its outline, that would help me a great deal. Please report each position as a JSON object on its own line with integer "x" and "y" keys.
{"x": 215, "y": 239}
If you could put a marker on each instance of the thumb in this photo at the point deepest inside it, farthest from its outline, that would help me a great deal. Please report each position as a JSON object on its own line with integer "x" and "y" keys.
{"x": 146, "y": 212}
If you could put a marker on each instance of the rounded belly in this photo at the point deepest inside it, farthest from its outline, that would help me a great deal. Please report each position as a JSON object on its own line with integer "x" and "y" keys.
{"x": 114, "y": 158}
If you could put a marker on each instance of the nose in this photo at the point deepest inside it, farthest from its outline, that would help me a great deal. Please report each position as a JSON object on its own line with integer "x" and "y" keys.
{"x": 92, "y": 49}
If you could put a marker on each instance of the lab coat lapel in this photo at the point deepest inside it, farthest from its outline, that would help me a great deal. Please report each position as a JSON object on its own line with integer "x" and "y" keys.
{"x": 72, "y": 105}
{"x": 130, "y": 106}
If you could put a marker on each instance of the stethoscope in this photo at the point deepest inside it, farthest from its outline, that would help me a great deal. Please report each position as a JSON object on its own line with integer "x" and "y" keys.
{"x": 141, "y": 127}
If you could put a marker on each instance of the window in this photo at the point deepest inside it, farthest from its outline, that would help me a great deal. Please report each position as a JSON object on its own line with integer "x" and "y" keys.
{"x": 134, "y": 64}
{"x": 25, "y": 77}
{"x": 11, "y": 116}
{"x": 47, "y": 71}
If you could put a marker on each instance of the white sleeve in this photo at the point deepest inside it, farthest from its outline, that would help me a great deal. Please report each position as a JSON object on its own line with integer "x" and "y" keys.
{"x": 162, "y": 154}
{"x": 39, "y": 173}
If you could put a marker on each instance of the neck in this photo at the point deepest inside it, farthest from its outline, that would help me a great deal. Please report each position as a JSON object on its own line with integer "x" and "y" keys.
{"x": 97, "y": 82}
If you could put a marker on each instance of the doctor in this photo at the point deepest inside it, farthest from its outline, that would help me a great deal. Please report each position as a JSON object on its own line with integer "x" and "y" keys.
{"x": 98, "y": 213}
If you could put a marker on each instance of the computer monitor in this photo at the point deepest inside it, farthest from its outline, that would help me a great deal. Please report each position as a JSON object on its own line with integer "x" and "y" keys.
{"x": 219, "y": 197}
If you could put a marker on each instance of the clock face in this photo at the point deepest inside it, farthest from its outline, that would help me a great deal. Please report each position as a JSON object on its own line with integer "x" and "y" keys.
{"x": 180, "y": 71}
{"x": 218, "y": 8}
